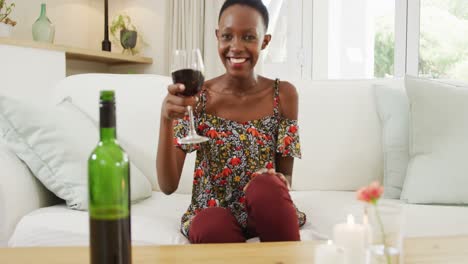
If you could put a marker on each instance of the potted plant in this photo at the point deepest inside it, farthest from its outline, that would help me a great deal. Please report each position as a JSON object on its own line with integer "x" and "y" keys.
{"x": 123, "y": 31}
{"x": 6, "y": 24}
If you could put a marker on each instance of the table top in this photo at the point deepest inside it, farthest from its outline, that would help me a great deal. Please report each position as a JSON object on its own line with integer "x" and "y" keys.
{"x": 447, "y": 250}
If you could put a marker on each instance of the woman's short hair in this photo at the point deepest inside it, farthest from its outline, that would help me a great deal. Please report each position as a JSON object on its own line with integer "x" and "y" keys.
{"x": 255, "y": 4}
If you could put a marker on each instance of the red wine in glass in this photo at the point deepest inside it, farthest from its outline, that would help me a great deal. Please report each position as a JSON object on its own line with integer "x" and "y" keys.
{"x": 187, "y": 69}
{"x": 192, "y": 79}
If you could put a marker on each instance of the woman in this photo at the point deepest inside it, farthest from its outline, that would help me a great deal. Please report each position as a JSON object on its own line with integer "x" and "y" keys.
{"x": 251, "y": 123}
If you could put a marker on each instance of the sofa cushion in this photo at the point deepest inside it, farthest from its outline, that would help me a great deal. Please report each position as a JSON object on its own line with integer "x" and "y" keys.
{"x": 393, "y": 109}
{"x": 154, "y": 221}
{"x": 138, "y": 105}
{"x": 157, "y": 220}
{"x": 55, "y": 143}
{"x": 20, "y": 192}
{"x": 340, "y": 133}
{"x": 437, "y": 172}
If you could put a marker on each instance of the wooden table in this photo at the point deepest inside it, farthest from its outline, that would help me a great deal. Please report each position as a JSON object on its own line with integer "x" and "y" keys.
{"x": 446, "y": 250}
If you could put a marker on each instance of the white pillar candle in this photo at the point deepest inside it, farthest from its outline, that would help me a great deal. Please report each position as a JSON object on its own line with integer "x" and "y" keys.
{"x": 328, "y": 254}
{"x": 352, "y": 238}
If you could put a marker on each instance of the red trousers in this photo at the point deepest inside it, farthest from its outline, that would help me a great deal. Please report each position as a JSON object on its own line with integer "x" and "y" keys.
{"x": 271, "y": 216}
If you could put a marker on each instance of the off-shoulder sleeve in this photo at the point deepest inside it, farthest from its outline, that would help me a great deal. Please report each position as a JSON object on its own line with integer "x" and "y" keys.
{"x": 288, "y": 144}
{"x": 181, "y": 129}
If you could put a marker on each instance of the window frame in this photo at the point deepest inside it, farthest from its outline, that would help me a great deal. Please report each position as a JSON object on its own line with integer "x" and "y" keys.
{"x": 311, "y": 53}
{"x": 297, "y": 54}
{"x": 413, "y": 36}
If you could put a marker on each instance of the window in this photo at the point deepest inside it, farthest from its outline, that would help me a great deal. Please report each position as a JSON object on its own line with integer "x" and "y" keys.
{"x": 282, "y": 59}
{"x": 344, "y": 39}
{"x": 361, "y": 38}
{"x": 443, "y": 39}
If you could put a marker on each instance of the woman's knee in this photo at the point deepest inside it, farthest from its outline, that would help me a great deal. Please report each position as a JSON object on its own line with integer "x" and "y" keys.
{"x": 266, "y": 187}
{"x": 267, "y": 180}
{"x": 215, "y": 225}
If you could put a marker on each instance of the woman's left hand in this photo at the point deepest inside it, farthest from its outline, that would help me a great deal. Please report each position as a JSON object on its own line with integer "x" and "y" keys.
{"x": 272, "y": 172}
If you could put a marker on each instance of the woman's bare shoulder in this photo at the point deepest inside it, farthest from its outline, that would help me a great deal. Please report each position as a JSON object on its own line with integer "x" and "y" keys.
{"x": 289, "y": 100}
{"x": 286, "y": 89}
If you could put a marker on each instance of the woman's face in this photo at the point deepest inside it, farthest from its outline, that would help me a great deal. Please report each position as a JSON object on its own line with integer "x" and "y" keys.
{"x": 241, "y": 37}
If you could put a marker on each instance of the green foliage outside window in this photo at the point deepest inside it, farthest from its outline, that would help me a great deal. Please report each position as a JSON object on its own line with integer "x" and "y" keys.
{"x": 443, "y": 41}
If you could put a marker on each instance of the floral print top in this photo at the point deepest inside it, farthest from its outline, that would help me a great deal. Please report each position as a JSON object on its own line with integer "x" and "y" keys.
{"x": 235, "y": 151}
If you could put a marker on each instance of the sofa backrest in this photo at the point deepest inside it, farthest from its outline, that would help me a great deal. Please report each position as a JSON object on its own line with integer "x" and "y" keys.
{"x": 138, "y": 104}
{"x": 340, "y": 134}
{"x": 340, "y": 129}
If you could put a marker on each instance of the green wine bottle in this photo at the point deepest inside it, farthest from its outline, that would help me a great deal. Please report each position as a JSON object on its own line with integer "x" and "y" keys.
{"x": 109, "y": 192}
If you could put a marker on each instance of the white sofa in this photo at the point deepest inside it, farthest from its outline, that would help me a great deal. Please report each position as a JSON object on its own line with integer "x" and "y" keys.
{"x": 342, "y": 151}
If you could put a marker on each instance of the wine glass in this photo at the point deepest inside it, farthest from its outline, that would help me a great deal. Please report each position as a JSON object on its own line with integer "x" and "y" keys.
{"x": 188, "y": 69}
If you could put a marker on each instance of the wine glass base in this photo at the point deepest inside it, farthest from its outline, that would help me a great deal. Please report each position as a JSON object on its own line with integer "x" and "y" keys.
{"x": 196, "y": 139}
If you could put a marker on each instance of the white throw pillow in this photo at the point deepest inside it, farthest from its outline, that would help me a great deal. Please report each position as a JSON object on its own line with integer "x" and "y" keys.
{"x": 55, "y": 143}
{"x": 340, "y": 136}
{"x": 393, "y": 110}
{"x": 438, "y": 168}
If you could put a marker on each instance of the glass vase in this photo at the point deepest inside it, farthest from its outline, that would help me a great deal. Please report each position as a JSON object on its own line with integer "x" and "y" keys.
{"x": 385, "y": 224}
{"x": 43, "y": 30}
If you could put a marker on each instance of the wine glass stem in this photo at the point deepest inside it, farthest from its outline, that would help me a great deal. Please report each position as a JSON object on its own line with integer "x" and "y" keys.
{"x": 192, "y": 122}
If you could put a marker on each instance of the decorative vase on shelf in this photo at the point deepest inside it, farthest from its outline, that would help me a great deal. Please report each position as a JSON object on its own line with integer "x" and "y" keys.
{"x": 43, "y": 30}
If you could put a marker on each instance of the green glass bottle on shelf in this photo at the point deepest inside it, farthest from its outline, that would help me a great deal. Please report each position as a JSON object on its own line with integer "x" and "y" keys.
{"x": 43, "y": 30}
{"x": 109, "y": 192}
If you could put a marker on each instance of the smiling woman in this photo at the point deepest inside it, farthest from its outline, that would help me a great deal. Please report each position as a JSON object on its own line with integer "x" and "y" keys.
{"x": 241, "y": 38}
{"x": 242, "y": 174}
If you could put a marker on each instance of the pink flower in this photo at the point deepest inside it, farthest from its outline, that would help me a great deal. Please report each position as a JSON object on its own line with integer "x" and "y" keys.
{"x": 371, "y": 193}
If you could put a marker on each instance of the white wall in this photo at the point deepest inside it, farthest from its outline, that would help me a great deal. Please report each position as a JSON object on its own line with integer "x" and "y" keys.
{"x": 30, "y": 75}
{"x": 79, "y": 23}
{"x": 151, "y": 19}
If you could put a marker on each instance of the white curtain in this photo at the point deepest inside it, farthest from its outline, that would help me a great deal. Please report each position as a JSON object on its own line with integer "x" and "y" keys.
{"x": 193, "y": 24}
{"x": 214, "y": 67}
{"x": 187, "y": 22}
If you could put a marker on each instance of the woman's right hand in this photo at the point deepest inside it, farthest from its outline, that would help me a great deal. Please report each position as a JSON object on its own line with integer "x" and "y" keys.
{"x": 175, "y": 106}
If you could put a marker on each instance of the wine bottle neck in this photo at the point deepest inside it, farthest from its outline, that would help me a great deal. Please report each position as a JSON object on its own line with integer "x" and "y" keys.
{"x": 107, "y": 121}
{"x": 108, "y": 134}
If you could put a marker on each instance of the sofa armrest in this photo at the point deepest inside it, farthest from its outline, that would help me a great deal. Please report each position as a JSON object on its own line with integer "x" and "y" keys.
{"x": 20, "y": 193}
